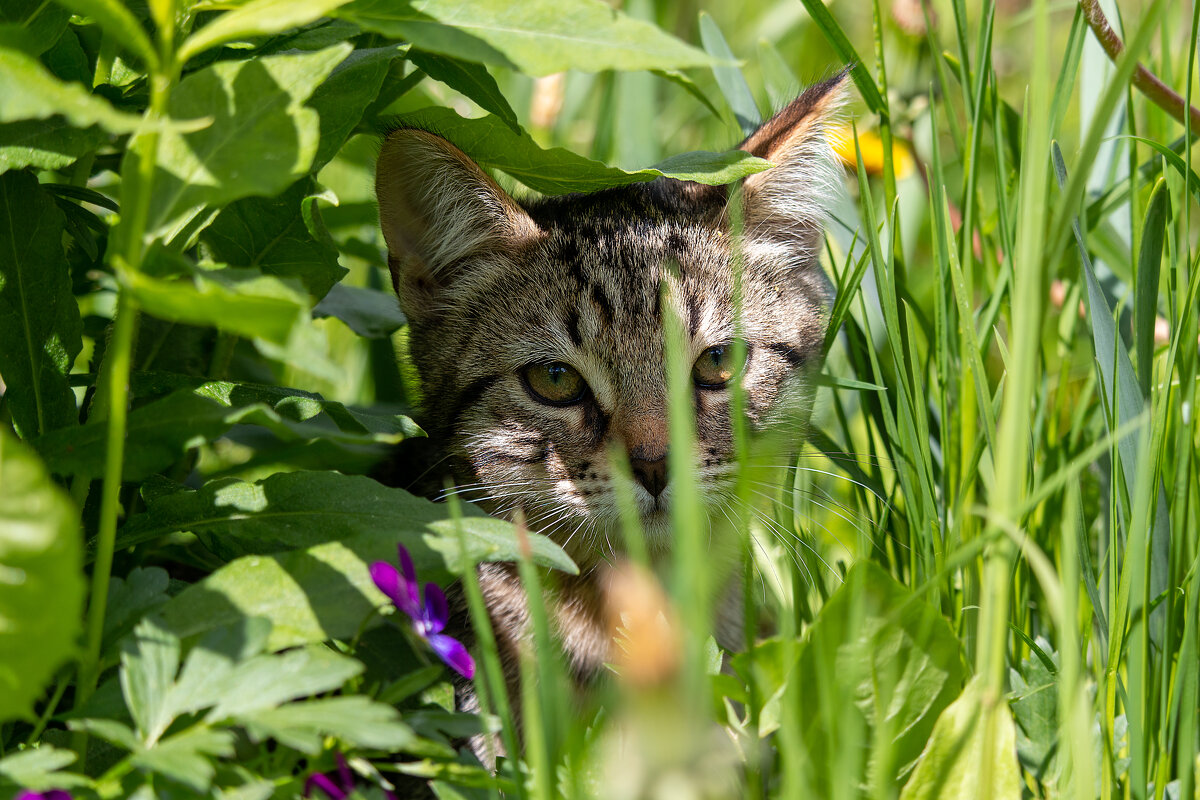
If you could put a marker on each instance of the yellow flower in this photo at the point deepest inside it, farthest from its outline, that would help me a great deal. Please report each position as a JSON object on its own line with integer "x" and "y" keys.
{"x": 841, "y": 139}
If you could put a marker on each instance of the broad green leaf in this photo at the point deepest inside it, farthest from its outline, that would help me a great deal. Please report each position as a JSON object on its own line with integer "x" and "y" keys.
{"x": 31, "y": 92}
{"x": 149, "y": 661}
{"x": 45, "y": 144}
{"x": 119, "y": 23}
{"x": 39, "y": 769}
{"x": 888, "y": 661}
{"x": 367, "y": 312}
{"x": 32, "y": 26}
{"x": 41, "y": 581}
{"x": 269, "y": 234}
{"x": 188, "y": 757}
{"x": 262, "y": 137}
{"x": 1034, "y": 703}
{"x": 537, "y": 37}
{"x": 353, "y": 719}
{"x": 341, "y": 100}
{"x": 256, "y": 18}
{"x": 323, "y": 591}
{"x": 729, "y": 77}
{"x": 240, "y": 301}
{"x": 471, "y": 79}
{"x": 557, "y": 171}
{"x": 131, "y": 598}
{"x": 39, "y": 319}
{"x": 205, "y": 674}
{"x": 953, "y": 760}
{"x": 268, "y": 681}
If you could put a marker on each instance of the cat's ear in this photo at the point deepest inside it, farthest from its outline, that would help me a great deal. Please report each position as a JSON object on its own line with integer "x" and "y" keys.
{"x": 437, "y": 207}
{"x": 787, "y": 203}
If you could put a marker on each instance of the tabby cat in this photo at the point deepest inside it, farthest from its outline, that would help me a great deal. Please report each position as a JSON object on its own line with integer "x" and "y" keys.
{"x": 537, "y": 329}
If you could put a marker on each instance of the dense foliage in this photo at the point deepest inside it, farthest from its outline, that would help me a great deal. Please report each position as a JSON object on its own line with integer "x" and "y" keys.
{"x": 981, "y": 578}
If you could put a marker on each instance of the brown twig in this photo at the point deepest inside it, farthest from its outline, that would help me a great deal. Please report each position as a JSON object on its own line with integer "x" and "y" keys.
{"x": 1144, "y": 80}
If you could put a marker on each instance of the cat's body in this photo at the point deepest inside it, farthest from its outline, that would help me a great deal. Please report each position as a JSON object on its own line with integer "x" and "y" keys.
{"x": 537, "y": 329}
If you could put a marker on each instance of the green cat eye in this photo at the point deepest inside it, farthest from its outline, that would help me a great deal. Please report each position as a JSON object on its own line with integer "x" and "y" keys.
{"x": 555, "y": 383}
{"x": 715, "y": 367}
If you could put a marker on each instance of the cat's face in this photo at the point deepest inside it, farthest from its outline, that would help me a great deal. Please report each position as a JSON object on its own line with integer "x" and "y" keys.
{"x": 538, "y": 330}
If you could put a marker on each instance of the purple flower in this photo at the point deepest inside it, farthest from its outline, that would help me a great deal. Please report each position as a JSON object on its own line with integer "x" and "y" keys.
{"x": 52, "y": 794}
{"x": 340, "y": 790}
{"x": 428, "y": 618}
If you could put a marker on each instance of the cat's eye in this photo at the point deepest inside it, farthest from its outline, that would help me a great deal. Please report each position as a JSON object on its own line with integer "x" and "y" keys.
{"x": 716, "y": 367}
{"x": 555, "y": 383}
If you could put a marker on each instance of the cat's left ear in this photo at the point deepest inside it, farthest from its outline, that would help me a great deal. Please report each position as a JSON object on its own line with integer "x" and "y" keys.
{"x": 787, "y": 203}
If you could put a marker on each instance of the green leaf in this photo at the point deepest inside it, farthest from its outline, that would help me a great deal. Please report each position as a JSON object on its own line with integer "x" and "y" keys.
{"x": 45, "y": 144}
{"x": 888, "y": 663}
{"x": 31, "y": 92}
{"x": 1158, "y": 210}
{"x": 537, "y": 37}
{"x": 256, "y": 18}
{"x": 205, "y": 675}
{"x": 149, "y": 661}
{"x": 269, "y": 234}
{"x": 41, "y": 581}
{"x": 240, "y": 301}
{"x": 1034, "y": 703}
{"x": 846, "y": 55}
{"x": 557, "y": 171}
{"x": 32, "y": 26}
{"x": 953, "y": 760}
{"x": 729, "y": 77}
{"x": 472, "y": 80}
{"x": 262, "y": 137}
{"x": 39, "y": 769}
{"x": 323, "y": 590}
{"x": 187, "y": 757}
{"x": 119, "y": 23}
{"x": 39, "y": 320}
{"x": 267, "y": 681}
{"x": 353, "y": 719}
{"x": 341, "y": 100}
{"x": 130, "y": 598}
{"x": 367, "y": 312}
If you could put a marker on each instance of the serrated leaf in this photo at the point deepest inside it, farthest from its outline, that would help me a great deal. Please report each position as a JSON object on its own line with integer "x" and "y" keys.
{"x": 120, "y": 24}
{"x": 353, "y": 719}
{"x": 45, "y": 143}
{"x": 537, "y": 37}
{"x": 31, "y": 92}
{"x": 270, "y": 234}
{"x": 261, "y": 139}
{"x": 952, "y": 762}
{"x": 892, "y": 664}
{"x": 367, "y": 312}
{"x": 40, "y": 768}
{"x": 41, "y": 580}
{"x": 557, "y": 171}
{"x": 188, "y": 757}
{"x": 268, "y": 681}
{"x": 40, "y": 328}
{"x": 256, "y": 18}
{"x": 343, "y": 97}
{"x": 149, "y": 661}
{"x": 130, "y": 598}
{"x": 324, "y": 590}
{"x": 1034, "y": 704}
{"x": 471, "y": 79}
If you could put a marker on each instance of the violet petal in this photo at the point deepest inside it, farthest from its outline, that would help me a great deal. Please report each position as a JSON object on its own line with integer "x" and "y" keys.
{"x": 452, "y": 651}
{"x": 325, "y": 784}
{"x": 410, "y": 573}
{"x": 436, "y": 610}
{"x": 344, "y": 772}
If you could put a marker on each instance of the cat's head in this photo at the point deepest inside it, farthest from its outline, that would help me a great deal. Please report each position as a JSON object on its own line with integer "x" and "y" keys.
{"x": 538, "y": 327}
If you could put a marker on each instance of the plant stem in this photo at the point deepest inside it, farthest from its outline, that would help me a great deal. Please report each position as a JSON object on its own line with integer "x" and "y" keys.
{"x": 1144, "y": 80}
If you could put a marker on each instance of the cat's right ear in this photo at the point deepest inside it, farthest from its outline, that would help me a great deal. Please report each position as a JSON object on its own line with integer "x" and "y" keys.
{"x": 437, "y": 207}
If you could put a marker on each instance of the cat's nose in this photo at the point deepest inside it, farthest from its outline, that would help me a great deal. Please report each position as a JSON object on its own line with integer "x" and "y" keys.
{"x": 652, "y": 475}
